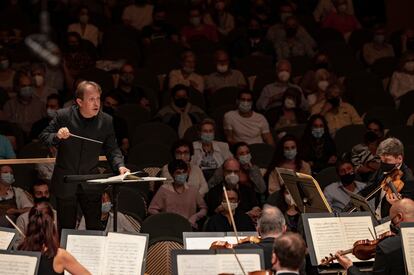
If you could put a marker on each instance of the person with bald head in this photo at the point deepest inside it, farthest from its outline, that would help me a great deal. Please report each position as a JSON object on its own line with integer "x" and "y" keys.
{"x": 388, "y": 255}
{"x": 271, "y": 95}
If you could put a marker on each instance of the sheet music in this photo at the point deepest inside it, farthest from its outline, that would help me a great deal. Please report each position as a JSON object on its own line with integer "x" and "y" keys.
{"x": 228, "y": 263}
{"x": 330, "y": 235}
{"x": 407, "y": 235}
{"x": 124, "y": 254}
{"x": 205, "y": 242}
{"x": 88, "y": 250}
{"x": 17, "y": 264}
{"x": 6, "y": 238}
{"x": 382, "y": 228}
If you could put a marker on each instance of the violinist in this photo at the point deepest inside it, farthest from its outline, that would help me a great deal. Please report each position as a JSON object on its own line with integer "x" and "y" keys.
{"x": 270, "y": 225}
{"x": 221, "y": 222}
{"x": 388, "y": 254}
{"x": 391, "y": 152}
{"x": 288, "y": 254}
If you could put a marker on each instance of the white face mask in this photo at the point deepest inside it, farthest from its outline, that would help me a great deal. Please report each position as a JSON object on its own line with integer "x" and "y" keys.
{"x": 222, "y": 68}
{"x": 323, "y": 85}
{"x": 283, "y": 76}
{"x": 232, "y": 178}
{"x": 39, "y": 80}
{"x": 312, "y": 98}
{"x": 290, "y": 103}
{"x": 233, "y": 206}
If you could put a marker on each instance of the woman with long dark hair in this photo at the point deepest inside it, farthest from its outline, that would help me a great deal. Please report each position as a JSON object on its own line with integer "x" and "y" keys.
{"x": 42, "y": 235}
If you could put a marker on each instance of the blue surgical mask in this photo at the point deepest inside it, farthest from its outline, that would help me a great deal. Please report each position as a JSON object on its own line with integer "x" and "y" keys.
{"x": 106, "y": 207}
{"x": 318, "y": 132}
{"x": 26, "y": 91}
{"x": 7, "y": 178}
{"x": 245, "y": 159}
{"x": 290, "y": 154}
{"x": 181, "y": 178}
{"x": 207, "y": 137}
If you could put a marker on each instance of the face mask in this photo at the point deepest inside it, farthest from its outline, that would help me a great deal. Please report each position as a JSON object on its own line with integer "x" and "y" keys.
{"x": 26, "y": 91}
{"x": 290, "y": 154}
{"x": 290, "y": 103}
{"x": 180, "y": 102}
{"x": 233, "y": 206}
{"x": 379, "y": 38}
{"x": 245, "y": 106}
{"x": 387, "y": 167}
{"x": 347, "y": 179}
{"x": 84, "y": 19}
{"x": 284, "y": 16}
{"x": 127, "y": 78}
{"x": 291, "y": 32}
{"x": 7, "y": 178}
{"x": 222, "y": 68}
{"x": 41, "y": 199}
{"x": 188, "y": 70}
{"x": 409, "y": 66}
{"x": 4, "y": 64}
{"x": 195, "y": 21}
{"x": 51, "y": 113}
{"x": 106, "y": 207}
{"x": 207, "y": 137}
{"x": 245, "y": 159}
{"x": 334, "y": 101}
{"x": 181, "y": 178}
{"x": 312, "y": 98}
{"x": 232, "y": 178}
{"x": 39, "y": 80}
{"x": 323, "y": 85}
{"x": 283, "y": 76}
{"x": 183, "y": 157}
{"x": 342, "y": 8}
{"x": 318, "y": 132}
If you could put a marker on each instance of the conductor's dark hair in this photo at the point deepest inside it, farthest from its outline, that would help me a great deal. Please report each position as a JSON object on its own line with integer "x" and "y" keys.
{"x": 177, "y": 164}
{"x": 290, "y": 249}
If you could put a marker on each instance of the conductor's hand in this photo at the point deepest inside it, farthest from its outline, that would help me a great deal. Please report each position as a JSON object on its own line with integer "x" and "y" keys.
{"x": 63, "y": 133}
{"x": 123, "y": 170}
{"x": 343, "y": 260}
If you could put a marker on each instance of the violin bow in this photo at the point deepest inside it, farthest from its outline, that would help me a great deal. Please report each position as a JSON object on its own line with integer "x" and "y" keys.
{"x": 234, "y": 229}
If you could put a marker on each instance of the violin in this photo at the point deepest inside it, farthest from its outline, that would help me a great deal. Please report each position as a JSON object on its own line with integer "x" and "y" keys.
{"x": 392, "y": 183}
{"x": 227, "y": 245}
{"x": 363, "y": 249}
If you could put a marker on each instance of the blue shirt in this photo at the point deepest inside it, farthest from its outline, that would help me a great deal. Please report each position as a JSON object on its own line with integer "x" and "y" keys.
{"x": 337, "y": 196}
{"x": 6, "y": 149}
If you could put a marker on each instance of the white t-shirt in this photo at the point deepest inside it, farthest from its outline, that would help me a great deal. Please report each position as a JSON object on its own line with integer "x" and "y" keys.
{"x": 138, "y": 16}
{"x": 247, "y": 129}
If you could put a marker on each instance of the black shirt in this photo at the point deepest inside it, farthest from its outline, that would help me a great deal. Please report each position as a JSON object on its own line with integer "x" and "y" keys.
{"x": 220, "y": 223}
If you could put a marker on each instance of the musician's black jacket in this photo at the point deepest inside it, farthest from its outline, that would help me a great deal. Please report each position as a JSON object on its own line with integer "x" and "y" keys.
{"x": 76, "y": 156}
{"x": 388, "y": 259}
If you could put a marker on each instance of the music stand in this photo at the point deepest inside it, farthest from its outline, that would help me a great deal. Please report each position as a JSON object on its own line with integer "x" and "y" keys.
{"x": 103, "y": 179}
{"x": 305, "y": 191}
{"x": 361, "y": 204}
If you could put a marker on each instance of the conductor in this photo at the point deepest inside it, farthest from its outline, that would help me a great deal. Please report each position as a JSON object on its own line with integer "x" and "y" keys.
{"x": 79, "y": 156}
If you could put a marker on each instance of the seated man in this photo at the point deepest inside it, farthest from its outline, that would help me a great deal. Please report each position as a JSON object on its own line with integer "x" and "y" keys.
{"x": 336, "y": 192}
{"x": 288, "y": 254}
{"x": 53, "y": 103}
{"x": 107, "y": 217}
{"x": 245, "y": 124}
{"x": 270, "y": 225}
{"x": 224, "y": 76}
{"x": 221, "y": 222}
{"x": 13, "y": 200}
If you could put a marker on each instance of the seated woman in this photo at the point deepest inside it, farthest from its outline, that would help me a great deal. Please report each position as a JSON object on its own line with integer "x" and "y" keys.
{"x": 318, "y": 147}
{"x": 42, "y": 236}
{"x": 290, "y": 113}
{"x": 402, "y": 80}
{"x": 178, "y": 196}
{"x": 209, "y": 154}
{"x": 107, "y": 217}
{"x": 286, "y": 156}
{"x": 221, "y": 222}
{"x": 318, "y": 85}
{"x": 183, "y": 150}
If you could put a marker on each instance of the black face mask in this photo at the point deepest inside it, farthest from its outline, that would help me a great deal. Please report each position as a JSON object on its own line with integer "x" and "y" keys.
{"x": 334, "y": 101}
{"x": 386, "y": 167}
{"x": 180, "y": 102}
{"x": 347, "y": 179}
{"x": 110, "y": 111}
{"x": 291, "y": 32}
{"x": 41, "y": 199}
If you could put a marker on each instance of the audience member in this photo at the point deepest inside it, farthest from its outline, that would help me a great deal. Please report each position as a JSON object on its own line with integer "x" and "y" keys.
{"x": 85, "y": 29}
{"x": 160, "y": 29}
{"x": 6, "y": 72}
{"x": 6, "y": 148}
{"x": 180, "y": 114}
{"x": 198, "y": 28}
{"x": 219, "y": 17}
{"x": 286, "y": 156}
{"x": 53, "y": 104}
{"x": 45, "y": 170}
{"x": 318, "y": 147}
{"x": 178, "y": 196}
{"x": 290, "y": 114}
{"x": 340, "y": 20}
{"x": 325, "y": 7}
{"x": 186, "y": 75}
{"x": 336, "y": 193}
{"x": 378, "y": 48}
{"x": 38, "y": 74}
{"x": 402, "y": 80}
{"x": 337, "y": 113}
{"x": 138, "y": 14}
{"x": 225, "y": 76}
{"x": 246, "y": 125}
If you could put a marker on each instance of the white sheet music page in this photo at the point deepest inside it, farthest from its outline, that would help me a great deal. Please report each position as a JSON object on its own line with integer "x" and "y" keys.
{"x": 407, "y": 235}
{"x": 197, "y": 264}
{"x": 382, "y": 228}
{"x": 88, "y": 250}
{"x": 17, "y": 264}
{"x": 6, "y": 238}
{"x": 228, "y": 263}
{"x": 124, "y": 254}
{"x": 205, "y": 242}
{"x": 332, "y": 234}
